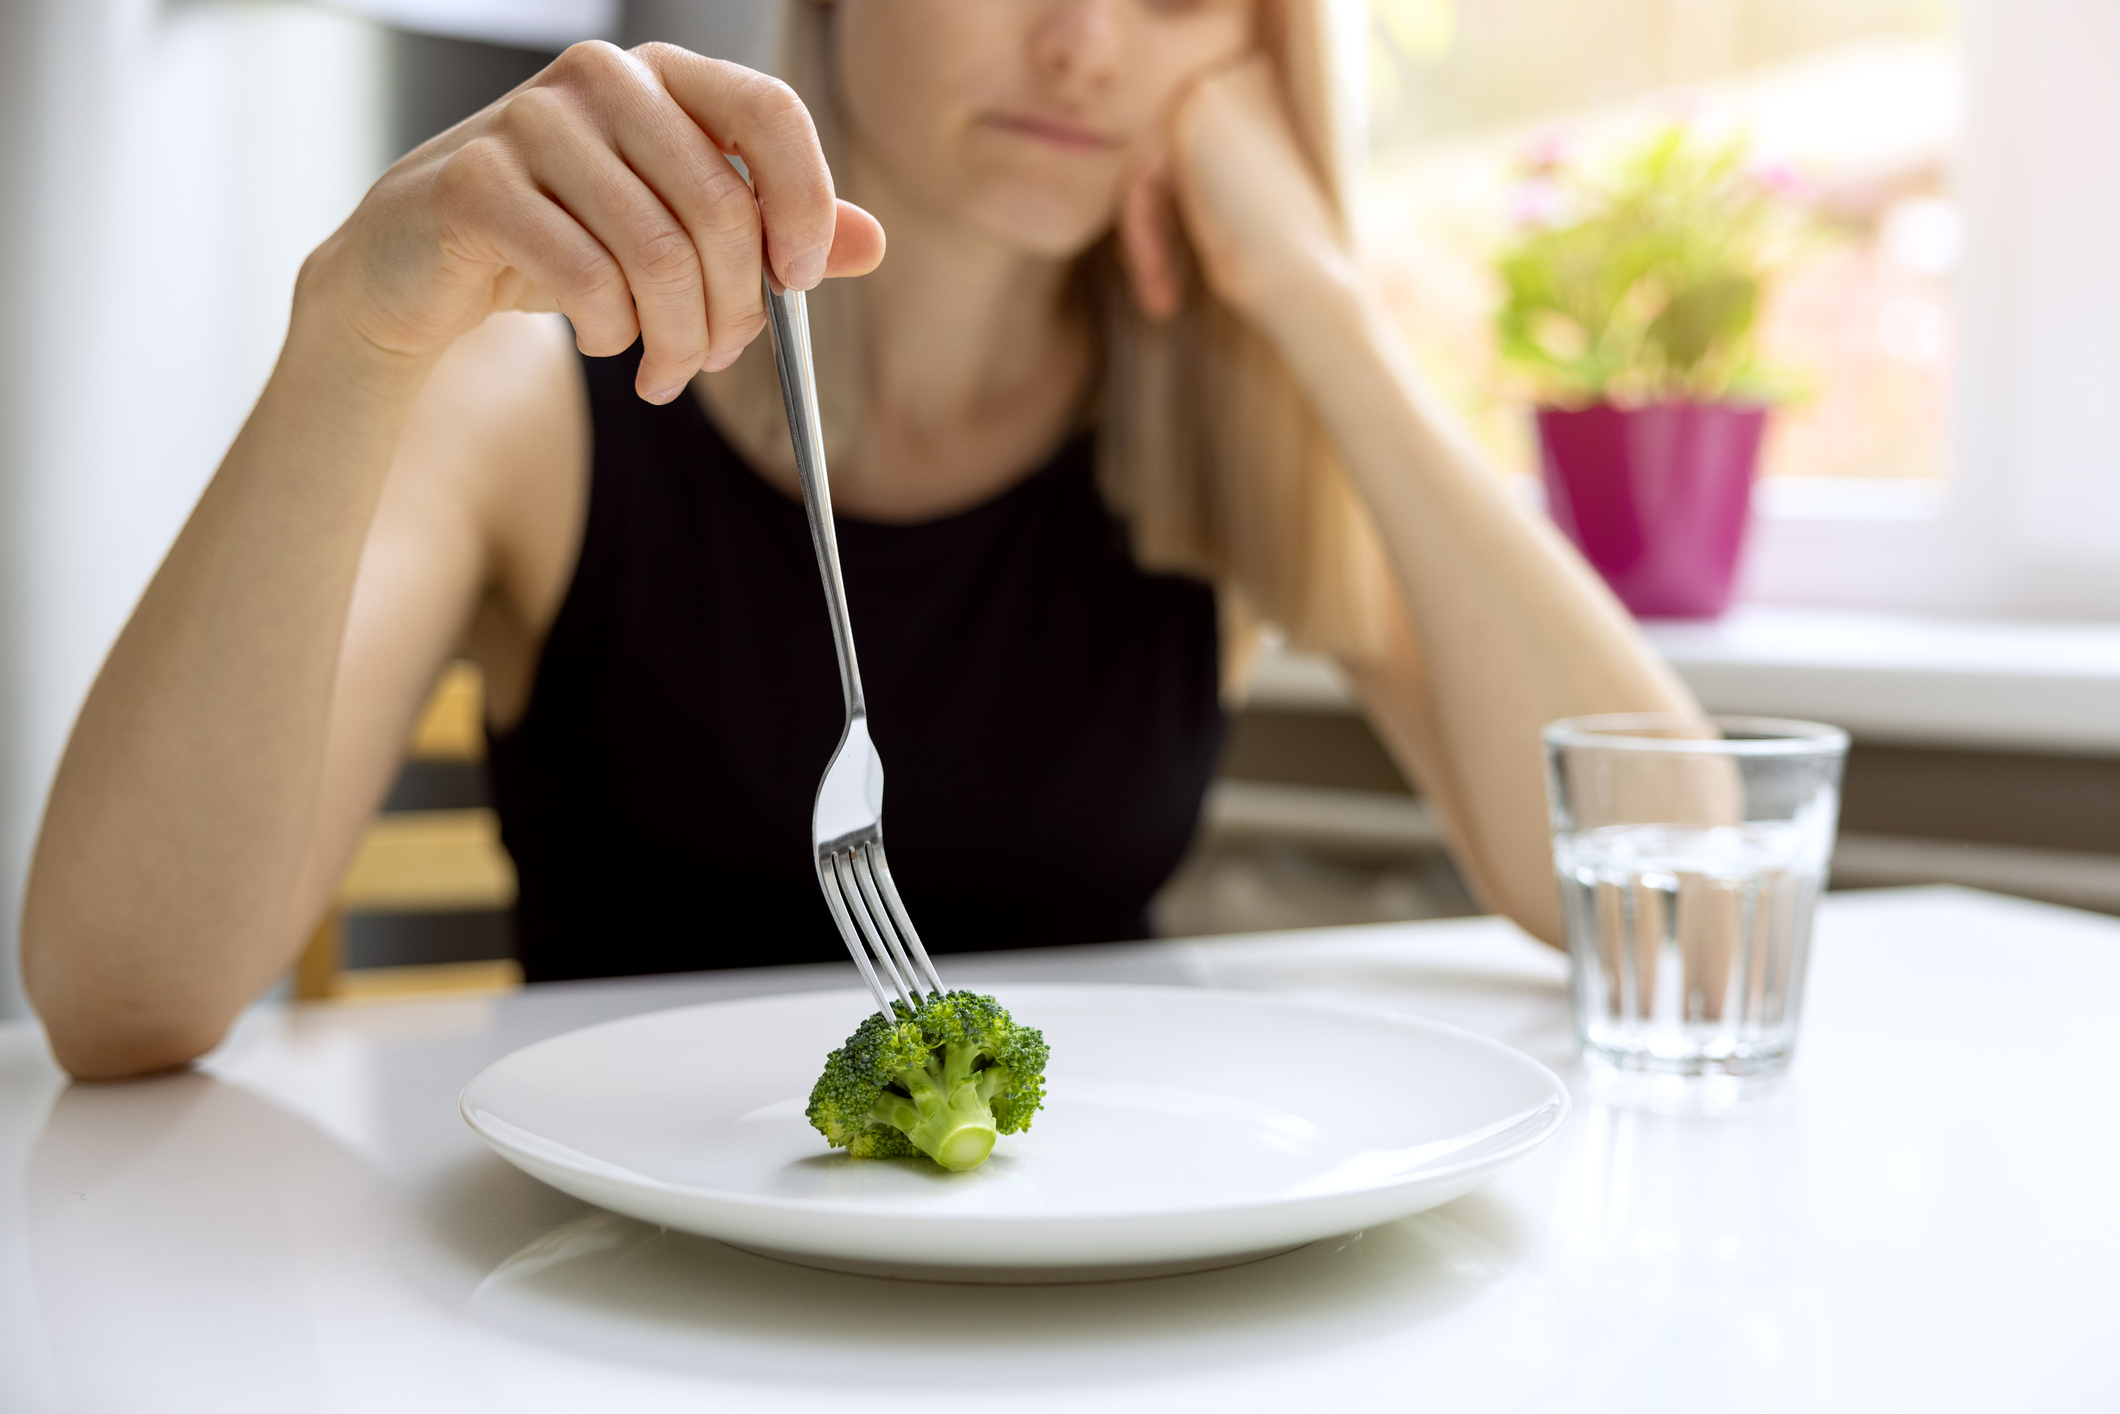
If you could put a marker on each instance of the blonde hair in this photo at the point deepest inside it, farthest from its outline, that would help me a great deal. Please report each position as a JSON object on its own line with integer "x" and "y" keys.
{"x": 1206, "y": 448}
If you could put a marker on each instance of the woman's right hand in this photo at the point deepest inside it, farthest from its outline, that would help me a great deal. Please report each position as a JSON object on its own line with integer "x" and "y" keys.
{"x": 601, "y": 189}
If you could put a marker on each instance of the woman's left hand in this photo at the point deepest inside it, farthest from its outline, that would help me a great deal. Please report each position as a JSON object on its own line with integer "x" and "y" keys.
{"x": 1231, "y": 169}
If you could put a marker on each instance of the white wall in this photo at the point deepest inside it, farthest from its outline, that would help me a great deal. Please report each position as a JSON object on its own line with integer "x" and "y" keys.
{"x": 167, "y": 167}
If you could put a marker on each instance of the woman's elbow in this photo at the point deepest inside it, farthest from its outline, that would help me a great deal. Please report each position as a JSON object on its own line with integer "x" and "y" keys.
{"x": 105, "y": 1053}
{"x": 1525, "y": 895}
{"x": 92, "y": 1048}
{"x": 1542, "y": 920}
{"x": 98, "y": 1032}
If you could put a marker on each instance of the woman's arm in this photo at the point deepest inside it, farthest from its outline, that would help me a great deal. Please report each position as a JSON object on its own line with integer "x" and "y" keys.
{"x": 220, "y": 768}
{"x": 473, "y": 544}
{"x": 160, "y": 897}
{"x": 1509, "y": 628}
{"x": 1505, "y": 627}
{"x": 253, "y": 712}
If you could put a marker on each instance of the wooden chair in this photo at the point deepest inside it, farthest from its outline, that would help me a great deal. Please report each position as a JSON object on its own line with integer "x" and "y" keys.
{"x": 421, "y": 861}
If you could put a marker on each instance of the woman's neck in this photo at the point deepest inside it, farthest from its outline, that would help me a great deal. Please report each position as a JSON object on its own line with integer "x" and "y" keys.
{"x": 976, "y": 368}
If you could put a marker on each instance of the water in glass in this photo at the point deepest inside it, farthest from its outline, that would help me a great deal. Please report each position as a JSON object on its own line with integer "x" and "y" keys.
{"x": 1689, "y": 943}
{"x": 1690, "y": 854}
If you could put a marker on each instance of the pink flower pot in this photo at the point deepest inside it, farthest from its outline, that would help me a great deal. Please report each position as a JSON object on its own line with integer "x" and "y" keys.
{"x": 1657, "y": 498}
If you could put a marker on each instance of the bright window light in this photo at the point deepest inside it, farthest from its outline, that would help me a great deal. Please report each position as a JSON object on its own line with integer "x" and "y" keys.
{"x": 1856, "y": 105}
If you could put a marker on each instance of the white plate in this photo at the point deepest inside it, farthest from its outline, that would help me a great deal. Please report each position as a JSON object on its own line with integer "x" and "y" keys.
{"x": 1183, "y": 1128}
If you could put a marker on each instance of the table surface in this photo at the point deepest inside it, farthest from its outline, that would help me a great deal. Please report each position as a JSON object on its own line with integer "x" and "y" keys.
{"x": 1921, "y": 1218}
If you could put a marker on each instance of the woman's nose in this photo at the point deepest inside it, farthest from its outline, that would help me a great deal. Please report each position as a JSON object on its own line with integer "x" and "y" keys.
{"x": 1078, "y": 42}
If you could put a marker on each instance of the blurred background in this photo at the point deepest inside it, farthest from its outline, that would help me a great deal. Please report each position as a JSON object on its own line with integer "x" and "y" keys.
{"x": 1935, "y": 555}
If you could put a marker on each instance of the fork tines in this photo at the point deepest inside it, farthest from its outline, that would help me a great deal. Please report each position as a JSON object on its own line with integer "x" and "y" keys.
{"x": 871, "y": 917}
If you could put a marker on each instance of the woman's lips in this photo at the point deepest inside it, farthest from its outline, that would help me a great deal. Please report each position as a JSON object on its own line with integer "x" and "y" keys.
{"x": 1059, "y": 132}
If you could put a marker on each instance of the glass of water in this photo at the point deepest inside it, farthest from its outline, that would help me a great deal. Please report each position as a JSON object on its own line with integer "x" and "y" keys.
{"x": 1690, "y": 854}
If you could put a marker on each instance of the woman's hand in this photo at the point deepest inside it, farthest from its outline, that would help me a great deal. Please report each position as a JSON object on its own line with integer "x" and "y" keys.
{"x": 601, "y": 189}
{"x": 1232, "y": 170}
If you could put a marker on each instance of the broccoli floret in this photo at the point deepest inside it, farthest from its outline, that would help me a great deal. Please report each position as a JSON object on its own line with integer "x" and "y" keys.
{"x": 942, "y": 1081}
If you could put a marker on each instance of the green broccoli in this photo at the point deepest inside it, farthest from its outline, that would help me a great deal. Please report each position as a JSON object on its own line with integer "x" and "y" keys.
{"x": 942, "y": 1081}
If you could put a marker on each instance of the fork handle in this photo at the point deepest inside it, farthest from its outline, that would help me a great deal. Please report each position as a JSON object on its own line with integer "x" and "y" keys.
{"x": 788, "y": 314}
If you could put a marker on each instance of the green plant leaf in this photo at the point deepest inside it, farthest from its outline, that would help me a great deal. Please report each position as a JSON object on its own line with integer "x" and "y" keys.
{"x": 1702, "y": 314}
{"x": 1652, "y": 287}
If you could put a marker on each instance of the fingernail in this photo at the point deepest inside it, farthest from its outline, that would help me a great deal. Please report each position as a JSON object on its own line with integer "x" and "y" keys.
{"x": 667, "y": 395}
{"x": 806, "y": 269}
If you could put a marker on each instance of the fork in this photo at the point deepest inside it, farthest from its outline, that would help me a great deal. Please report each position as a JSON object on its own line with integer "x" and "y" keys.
{"x": 846, "y": 826}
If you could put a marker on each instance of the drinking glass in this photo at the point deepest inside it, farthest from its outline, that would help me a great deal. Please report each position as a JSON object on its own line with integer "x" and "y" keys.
{"x": 1690, "y": 853}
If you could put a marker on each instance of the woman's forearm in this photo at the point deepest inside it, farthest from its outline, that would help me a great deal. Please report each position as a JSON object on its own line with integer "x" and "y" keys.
{"x": 159, "y": 897}
{"x": 1515, "y": 629}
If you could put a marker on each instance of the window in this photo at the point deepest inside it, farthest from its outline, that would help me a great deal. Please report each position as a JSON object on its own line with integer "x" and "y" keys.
{"x": 1960, "y": 450}
{"x": 1853, "y": 104}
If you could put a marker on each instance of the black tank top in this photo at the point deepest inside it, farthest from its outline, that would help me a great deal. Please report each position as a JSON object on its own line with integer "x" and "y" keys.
{"x": 1047, "y": 714}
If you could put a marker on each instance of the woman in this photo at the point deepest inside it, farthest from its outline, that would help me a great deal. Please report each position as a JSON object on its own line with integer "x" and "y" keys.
{"x": 1117, "y": 278}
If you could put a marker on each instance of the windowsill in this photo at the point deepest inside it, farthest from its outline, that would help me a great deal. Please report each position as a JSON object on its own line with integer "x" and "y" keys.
{"x": 1812, "y": 498}
{"x": 1786, "y": 498}
{"x": 1995, "y": 684}
{"x": 1901, "y": 677}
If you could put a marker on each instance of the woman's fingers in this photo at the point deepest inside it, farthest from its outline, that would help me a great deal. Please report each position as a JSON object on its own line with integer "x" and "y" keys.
{"x": 605, "y": 187}
{"x": 687, "y": 172}
{"x": 1146, "y": 239}
{"x": 491, "y": 214}
{"x": 688, "y": 231}
{"x": 665, "y": 145}
{"x": 857, "y": 243}
{"x": 576, "y": 165}
{"x": 760, "y": 119}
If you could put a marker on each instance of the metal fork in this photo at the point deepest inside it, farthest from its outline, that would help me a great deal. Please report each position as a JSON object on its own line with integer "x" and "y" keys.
{"x": 846, "y": 826}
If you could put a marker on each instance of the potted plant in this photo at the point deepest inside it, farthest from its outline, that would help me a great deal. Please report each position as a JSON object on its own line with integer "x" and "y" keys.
{"x": 1632, "y": 290}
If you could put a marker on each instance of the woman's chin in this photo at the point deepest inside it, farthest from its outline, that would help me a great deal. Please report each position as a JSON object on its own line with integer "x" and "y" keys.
{"x": 1044, "y": 223}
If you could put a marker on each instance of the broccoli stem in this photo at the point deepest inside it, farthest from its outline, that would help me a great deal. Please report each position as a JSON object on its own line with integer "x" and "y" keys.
{"x": 946, "y": 1115}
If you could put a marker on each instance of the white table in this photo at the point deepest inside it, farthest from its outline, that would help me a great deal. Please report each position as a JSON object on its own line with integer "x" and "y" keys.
{"x": 1928, "y": 1218}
